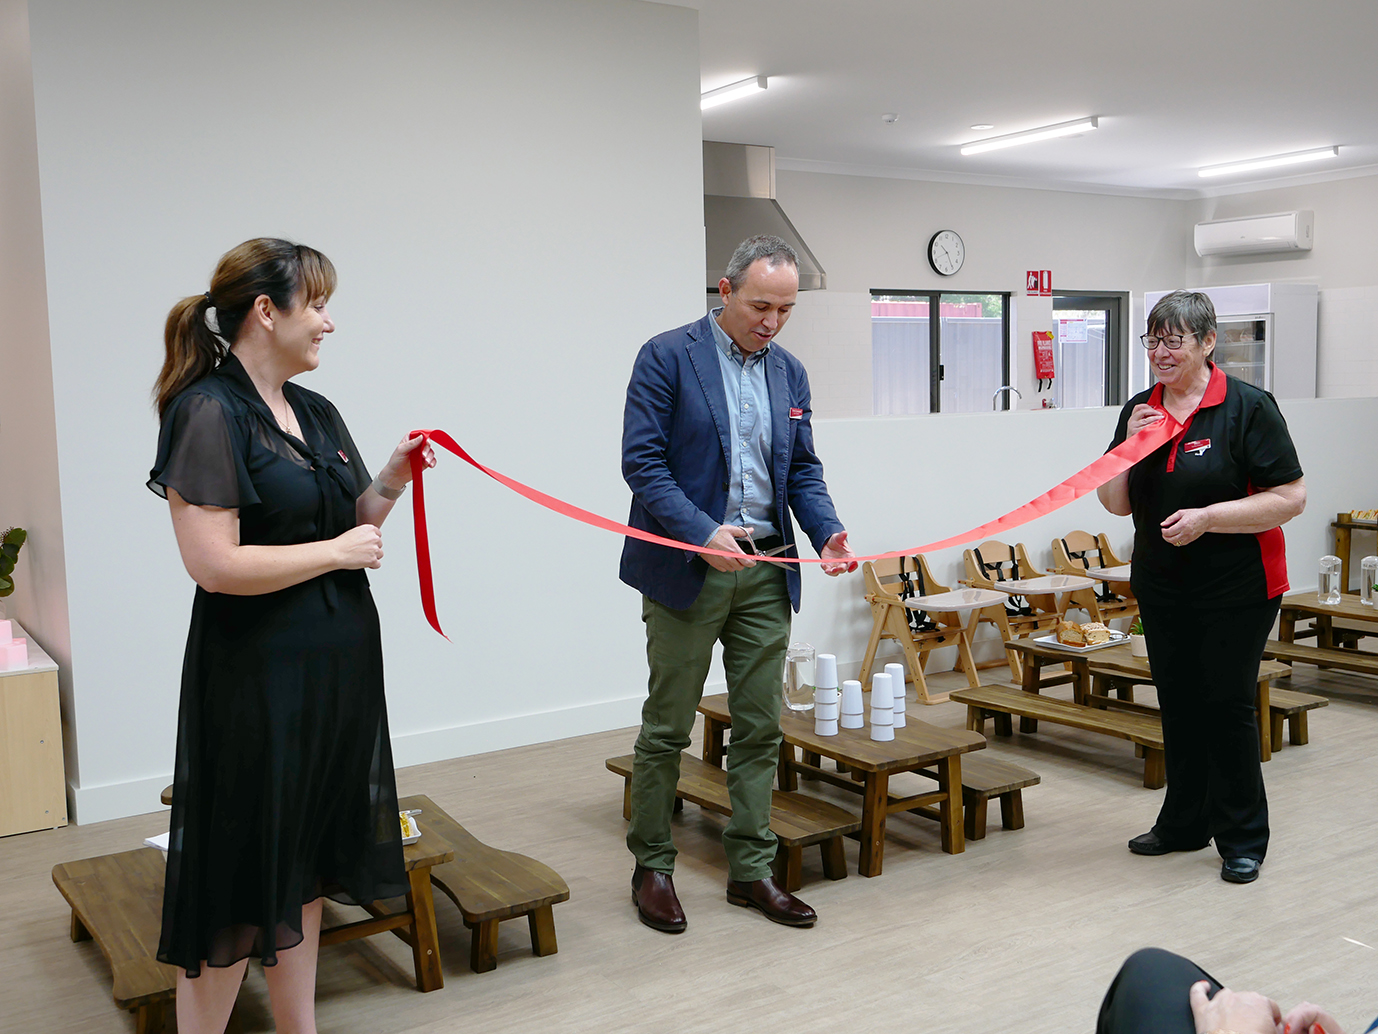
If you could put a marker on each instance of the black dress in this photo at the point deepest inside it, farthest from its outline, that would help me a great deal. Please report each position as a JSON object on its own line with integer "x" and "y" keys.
{"x": 284, "y": 788}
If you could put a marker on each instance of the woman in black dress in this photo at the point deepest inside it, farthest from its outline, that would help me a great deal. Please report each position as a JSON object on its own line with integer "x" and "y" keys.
{"x": 1209, "y": 570}
{"x": 284, "y": 788}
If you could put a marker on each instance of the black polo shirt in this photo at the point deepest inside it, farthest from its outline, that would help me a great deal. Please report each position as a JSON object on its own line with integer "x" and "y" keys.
{"x": 1233, "y": 445}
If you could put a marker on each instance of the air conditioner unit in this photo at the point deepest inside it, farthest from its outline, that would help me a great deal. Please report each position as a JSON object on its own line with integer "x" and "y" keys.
{"x": 1283, "y": 231}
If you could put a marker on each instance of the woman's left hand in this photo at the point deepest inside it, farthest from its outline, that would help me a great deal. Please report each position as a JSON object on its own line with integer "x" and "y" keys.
{"x": 1185, "y": 526}
{"x": 397, "y": 471}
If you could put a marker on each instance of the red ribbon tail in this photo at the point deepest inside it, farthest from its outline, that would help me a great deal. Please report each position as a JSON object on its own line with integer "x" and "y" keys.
{"x": 422, "y": 536}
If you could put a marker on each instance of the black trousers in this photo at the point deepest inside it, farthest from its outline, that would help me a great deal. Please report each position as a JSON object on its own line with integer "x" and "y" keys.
{"x": 1149, "y": 994}
{"x": 1205, "y": 665}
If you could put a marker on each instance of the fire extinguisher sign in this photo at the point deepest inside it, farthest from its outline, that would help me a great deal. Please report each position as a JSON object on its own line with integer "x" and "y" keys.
{"x": 1039, "y": 283}
{"x": 1043, "y": 357}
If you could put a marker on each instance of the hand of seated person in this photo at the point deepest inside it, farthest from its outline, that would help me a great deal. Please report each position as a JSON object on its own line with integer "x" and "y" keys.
{"x": 1243, "y": 1012}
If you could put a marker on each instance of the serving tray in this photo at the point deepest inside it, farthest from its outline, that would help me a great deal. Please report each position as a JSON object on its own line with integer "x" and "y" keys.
{"x": 1116, "y": 638}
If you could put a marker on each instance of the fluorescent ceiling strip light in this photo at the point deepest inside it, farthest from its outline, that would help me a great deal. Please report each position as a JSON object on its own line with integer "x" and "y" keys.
{"x": 731, "y": 92}
{"x": 1030, "y": 136}
{"x": 1295, "y": 158}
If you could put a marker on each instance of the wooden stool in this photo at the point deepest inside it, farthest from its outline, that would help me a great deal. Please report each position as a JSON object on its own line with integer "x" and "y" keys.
{"x": 489, "y": 885}
{"x": 1291, "y": 707}
{"x": 986, "y": 777}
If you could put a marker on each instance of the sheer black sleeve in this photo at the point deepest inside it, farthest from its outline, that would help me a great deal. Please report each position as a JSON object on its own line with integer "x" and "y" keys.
{"x": 201, "y": 455}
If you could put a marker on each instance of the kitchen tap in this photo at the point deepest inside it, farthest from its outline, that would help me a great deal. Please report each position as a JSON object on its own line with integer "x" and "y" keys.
{"x": 1003, "y": 387}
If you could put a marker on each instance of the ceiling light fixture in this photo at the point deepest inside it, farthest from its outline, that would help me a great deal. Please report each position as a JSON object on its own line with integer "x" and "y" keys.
{"x": 1030, "y": 136}
{"x": 731, "y": 92}
{"x": 1295, "y": 158}
{"x": 981, "y": 126}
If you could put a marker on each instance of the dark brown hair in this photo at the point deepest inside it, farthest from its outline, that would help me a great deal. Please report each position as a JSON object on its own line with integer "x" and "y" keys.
{"x": 289, "y": 274}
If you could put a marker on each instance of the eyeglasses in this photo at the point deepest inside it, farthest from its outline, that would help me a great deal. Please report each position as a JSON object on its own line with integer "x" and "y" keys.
{"x": 1172, "y": 342}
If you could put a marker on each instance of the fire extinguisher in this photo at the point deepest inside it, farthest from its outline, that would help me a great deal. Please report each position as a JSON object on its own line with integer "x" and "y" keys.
{"x": 1043, "y": 357}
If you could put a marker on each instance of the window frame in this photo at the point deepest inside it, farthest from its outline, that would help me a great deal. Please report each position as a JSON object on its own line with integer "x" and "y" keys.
{"x": 935, "y": 348}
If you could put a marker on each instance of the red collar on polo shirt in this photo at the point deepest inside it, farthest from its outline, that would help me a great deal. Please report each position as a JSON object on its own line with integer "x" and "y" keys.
{"x": 1214, "y": 395}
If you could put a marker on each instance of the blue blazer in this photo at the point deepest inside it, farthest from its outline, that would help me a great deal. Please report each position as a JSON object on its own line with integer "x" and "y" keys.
{"x": 675, "y": 459}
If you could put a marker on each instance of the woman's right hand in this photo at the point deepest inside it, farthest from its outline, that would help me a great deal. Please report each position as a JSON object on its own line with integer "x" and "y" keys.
{"x": 1143, "y": 416}
{"x": 360, "y": 547}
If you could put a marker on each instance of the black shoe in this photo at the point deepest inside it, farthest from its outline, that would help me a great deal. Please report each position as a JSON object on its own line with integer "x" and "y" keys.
{"x": 1240, "y": 870}
{"x": 1151, "y": 843}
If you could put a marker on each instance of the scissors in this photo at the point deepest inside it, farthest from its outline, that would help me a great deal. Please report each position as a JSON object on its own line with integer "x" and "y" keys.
{"x": 756, "y": 550}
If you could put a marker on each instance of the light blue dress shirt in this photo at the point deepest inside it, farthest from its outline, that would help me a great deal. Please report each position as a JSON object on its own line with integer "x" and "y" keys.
{"x": 750, "y": 492}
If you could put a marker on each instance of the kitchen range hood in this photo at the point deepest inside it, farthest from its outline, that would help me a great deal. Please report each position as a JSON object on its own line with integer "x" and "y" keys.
{"x": 739, "y": 202}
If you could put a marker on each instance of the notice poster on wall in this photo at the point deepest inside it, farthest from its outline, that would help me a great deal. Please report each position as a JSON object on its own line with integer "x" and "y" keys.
{"x": 1071, "y": 332}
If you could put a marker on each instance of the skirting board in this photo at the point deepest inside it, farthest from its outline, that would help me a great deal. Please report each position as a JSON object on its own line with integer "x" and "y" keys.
{"x": 140, "y": 796}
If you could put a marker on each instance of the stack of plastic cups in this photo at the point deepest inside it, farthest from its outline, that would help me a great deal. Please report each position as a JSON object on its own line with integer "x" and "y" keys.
{"x": 896, "y": 673}
{"x": 882, "y": 708}
{"x": 853, "y": 716}
{"x": 826, "y": 698}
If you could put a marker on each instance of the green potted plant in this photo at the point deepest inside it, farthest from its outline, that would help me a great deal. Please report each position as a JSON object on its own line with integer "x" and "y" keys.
{"x": 1138, "y": 645}
{"x": 9, "y": 555}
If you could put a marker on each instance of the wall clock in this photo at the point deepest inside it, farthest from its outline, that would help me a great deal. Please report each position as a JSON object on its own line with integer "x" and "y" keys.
{"x": 946, "y": 252}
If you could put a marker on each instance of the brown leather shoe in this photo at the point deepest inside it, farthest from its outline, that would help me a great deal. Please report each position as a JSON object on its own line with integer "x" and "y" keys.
{"x": 777, "y": 905}
{"x": 653, "y": 894}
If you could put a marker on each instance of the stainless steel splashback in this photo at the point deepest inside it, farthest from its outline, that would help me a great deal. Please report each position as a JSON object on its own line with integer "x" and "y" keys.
{"x": 739, "y": 202}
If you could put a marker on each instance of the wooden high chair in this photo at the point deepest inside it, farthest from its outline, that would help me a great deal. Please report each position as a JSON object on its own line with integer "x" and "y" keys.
{"x": 888, "y": 584}
{"x": 1079, "y": 551}
{"x": 995, "y": 561}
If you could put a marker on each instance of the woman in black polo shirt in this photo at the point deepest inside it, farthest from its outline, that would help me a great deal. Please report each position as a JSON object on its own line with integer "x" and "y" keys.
{"x": 1209, "y": 570}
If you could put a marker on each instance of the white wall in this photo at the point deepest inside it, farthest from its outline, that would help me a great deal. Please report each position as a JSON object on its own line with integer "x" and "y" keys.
{"x": 872, "y": 233}
{"x": 477, "y": 172}
{"x": 29, "y": 493}
{"x": 1344, "y": 262}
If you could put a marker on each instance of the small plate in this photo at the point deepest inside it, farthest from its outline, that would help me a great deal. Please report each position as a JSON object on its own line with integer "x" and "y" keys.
{"x": 1116, "y": 638}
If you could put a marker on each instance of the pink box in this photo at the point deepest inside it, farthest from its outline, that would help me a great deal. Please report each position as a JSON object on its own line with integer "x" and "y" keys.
{"x": 14, "y": 654}
{"x": 6, "y": 631}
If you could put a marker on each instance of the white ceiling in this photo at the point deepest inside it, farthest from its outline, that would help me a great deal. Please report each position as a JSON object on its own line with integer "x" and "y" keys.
{"x": 1176, "y": 85}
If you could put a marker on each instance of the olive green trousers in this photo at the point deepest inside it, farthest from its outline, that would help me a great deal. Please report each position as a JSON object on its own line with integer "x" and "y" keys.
{"x": 749, "y": 613}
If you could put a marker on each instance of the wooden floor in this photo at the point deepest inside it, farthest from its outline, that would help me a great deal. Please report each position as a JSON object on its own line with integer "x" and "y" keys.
{"x": 1022, "y": 932}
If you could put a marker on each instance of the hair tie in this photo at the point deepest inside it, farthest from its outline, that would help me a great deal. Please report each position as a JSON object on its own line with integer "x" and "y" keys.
{"x": 209, "y": 298}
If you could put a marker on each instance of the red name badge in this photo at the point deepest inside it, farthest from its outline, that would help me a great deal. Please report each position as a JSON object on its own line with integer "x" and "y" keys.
{"x": 1197, "y": 447}
{"x": 796, "y": 414}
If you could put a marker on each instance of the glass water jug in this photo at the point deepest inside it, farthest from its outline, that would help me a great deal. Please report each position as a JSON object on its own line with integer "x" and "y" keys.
{"x": 1368, "y": 581}
{"x": 1328, "y": 588}
{"x": 798, "y": 688}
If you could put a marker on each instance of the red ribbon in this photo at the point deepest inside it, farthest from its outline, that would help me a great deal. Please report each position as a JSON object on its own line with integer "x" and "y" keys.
{"x": 1113, "y": 463}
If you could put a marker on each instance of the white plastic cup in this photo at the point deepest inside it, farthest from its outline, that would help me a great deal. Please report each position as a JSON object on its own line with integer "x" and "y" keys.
{"x": 852, "y": 710}
{"x": 882, "y": 707}
{"x": 896, "y": 673}
{"x": 825, "y": 670}
{"x": 830, "y": 712}
{"x": 824, "y": 726}
{"x": 826, "y": 696}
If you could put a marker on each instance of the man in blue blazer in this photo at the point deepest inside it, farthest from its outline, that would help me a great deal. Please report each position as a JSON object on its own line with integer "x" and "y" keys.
{"x": 717, "y": 448}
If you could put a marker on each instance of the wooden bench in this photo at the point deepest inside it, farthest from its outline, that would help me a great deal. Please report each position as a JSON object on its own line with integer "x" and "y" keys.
{"x": 489, "y": 885}
{"x": 1142, "y": 730}
{"x": 986, "y": 777}
{"x": 117, "y": 899}
{"x": 1322, "y": 657}
{"x": 1291, "y": 707}
{"x": 796, "y": 820}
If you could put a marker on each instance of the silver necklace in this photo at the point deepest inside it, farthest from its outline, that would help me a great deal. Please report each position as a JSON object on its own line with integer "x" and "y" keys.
{"x": 286, "y": 416}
